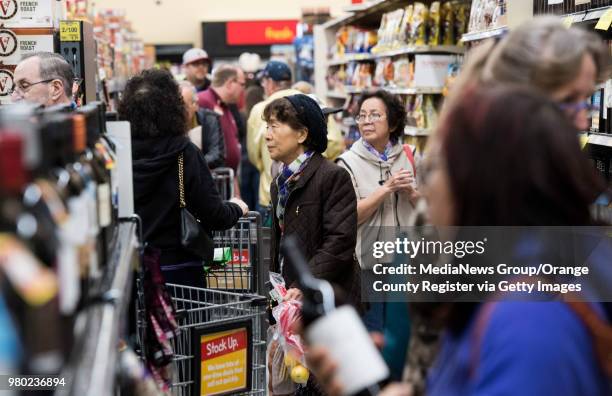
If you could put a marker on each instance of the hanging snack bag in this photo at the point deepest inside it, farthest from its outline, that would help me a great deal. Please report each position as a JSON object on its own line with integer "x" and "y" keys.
{"x": 431, "y": 114}
{"x": 404, "y": 31}
{"x": 419, "y": 24}
{"x": 418, "y": 113}
{"x": 447, "y": 15}
{"x": 433, "y": 24}
{"x": 460, "y": 21}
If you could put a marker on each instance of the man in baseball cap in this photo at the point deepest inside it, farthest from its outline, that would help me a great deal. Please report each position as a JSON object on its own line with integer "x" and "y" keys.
{"x": 276, "y": 76}
{"x": 197, "y": 65}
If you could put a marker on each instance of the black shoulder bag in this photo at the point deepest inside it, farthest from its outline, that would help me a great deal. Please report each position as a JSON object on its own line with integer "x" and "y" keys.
{"x": 194, "y": 237}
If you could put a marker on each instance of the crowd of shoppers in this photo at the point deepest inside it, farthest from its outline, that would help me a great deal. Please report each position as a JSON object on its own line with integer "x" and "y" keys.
{"x": 516, "y": 106}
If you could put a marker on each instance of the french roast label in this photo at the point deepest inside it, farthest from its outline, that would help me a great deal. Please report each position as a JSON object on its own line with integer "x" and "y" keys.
{"x": 8, "y": 9}
{"x": 6, "y": 83}
{"x": 8, "y": 43}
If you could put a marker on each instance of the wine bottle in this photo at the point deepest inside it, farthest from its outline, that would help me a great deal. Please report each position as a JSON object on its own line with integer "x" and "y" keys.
{"x": 340, "y": 330}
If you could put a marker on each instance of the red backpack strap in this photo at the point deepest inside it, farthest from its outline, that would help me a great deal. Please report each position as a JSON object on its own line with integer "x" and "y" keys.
{"x": 408, "y": 151}
{"x": 483, "y": 316}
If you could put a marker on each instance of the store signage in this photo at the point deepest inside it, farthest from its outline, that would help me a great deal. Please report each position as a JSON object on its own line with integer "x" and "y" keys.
{"x": 8, "y": 43}
{"x": 70, "y": 31}
{"x": 224, "y": 361}
{"x": 16, "y": 43}
{"x": 8, "y": 9}
{"x": 240, "y": 257}
{"x": 6, "y": 83}
{"x": 261, "y": 32}
{"x": 26, "y": 13}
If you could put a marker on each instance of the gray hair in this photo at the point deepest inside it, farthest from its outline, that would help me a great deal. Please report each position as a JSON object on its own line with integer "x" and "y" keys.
{"x": 184, "y": 84}
{"x": 54, "y": 66}
{"x": 545, "y": 54}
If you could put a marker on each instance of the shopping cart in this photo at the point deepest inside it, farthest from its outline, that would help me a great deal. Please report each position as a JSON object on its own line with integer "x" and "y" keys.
{"x": 224, "y": 179}
{"x": 204, "y": 315}
{"x": 247, "y": 270}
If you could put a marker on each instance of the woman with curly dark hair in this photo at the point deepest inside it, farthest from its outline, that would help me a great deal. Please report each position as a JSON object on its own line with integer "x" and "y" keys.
{"x": 153, "y": 105}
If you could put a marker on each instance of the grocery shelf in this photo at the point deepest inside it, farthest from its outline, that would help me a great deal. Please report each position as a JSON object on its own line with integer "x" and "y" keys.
{"x": 363, "y": 11}
{"x": 414, "y": 131}
{"x": 587, "y": 15}
{"x": 336, "y": 95}
{"x": 497, "y": 32}
{"x": 348, "y": 90}
{"x": 421, "y": 49}
{"x": 600, "y": 139}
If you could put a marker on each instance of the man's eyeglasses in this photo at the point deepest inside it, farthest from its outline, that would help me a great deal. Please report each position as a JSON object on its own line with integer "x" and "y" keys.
{"x": 362, "y": 118}
{"x": 23, "y": 87}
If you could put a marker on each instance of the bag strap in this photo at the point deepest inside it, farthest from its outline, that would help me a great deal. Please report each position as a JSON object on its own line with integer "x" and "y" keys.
{"x": 410, "y": 155}
{"x": 348, "y": 168}
{"x": 182, "y": 203}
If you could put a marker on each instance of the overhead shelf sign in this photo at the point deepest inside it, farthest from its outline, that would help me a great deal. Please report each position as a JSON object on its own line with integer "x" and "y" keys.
{"x": 261, "y": 32}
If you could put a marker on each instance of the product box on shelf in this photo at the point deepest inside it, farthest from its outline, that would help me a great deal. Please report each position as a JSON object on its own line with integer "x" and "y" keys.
{"x": 431, "y": 71}
{"x": 27, "y": 13}
{"x": 16, "y": 43}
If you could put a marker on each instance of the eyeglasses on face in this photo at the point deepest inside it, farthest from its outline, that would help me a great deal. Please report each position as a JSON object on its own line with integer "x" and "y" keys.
{"x": 575, "y": 108}
{"x": 24, "y": 86}
{"x": 363, "y": 118}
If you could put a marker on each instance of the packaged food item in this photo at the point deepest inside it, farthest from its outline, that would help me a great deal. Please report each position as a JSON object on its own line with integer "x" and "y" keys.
{"x": 402, "y": 73}
{"x": 447, "y": 15}
{"x": 371, "y": 40}
{"x": 475, "y": 15}
{"x": 381, "y": 34}
{"x": 431, "y": 114}
{"x": 379, "y": 73}
{"x": 488, "y": 14}
{"x": 389, "y": 71}
{"x": 418, "y": 114}
{"x": 396, "y": 33}
{"x": 460, "y": 21}
{"x": 419, "y": 24}
{"x": 433, "y": 24}
{"x": 405, "y": 31}
{"x": 453, "y": 71}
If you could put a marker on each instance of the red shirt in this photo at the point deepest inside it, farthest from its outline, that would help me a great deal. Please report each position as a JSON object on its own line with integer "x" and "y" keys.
{"x": 209, "y": 99}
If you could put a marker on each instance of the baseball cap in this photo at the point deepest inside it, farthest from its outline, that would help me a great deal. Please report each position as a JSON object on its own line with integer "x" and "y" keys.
{"x": 194, "y": 55}
{"x": 325, "y": 109}
{"x": 277, "y": 71}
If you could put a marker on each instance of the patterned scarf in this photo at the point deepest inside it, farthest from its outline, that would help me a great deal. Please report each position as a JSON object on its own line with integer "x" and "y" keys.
{"x": 286, "y": 180}
{"x": 382, "y": 156}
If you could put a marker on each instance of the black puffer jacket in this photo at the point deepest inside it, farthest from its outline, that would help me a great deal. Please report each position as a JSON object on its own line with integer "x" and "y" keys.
{"x": 321, "y": 212}
{"x": 213, "y": 143}
{"x": 156, "y": 194}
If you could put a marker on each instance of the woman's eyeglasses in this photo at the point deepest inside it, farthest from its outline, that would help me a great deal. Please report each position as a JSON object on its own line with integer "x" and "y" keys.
{"x": 363, "y": 118}
{"x": 575, "y": 108}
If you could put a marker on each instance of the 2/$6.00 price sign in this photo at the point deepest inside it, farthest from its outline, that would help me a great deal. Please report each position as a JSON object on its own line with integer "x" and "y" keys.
{"x": 70, "y": 31}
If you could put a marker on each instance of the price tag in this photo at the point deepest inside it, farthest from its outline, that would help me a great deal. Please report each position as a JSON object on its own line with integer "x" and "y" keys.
{"x": 70, "y": 31}
{"x": 605, "y": 21}
{"x": 553, "y": 2}
{"x": 568, "y": 21}
{"x": 581, "y": 2}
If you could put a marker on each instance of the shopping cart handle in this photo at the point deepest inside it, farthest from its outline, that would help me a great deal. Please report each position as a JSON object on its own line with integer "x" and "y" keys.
{"x": 256, "y": 300}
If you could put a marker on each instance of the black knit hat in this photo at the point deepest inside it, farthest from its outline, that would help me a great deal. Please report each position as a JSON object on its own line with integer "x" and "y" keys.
{"x": 310, "y": 115}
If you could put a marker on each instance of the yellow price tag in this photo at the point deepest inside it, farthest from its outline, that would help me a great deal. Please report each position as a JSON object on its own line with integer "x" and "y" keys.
{"x": 568, "y": 21}
{"x": 605, "y": 21}
{"x": 70, "y": 31}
